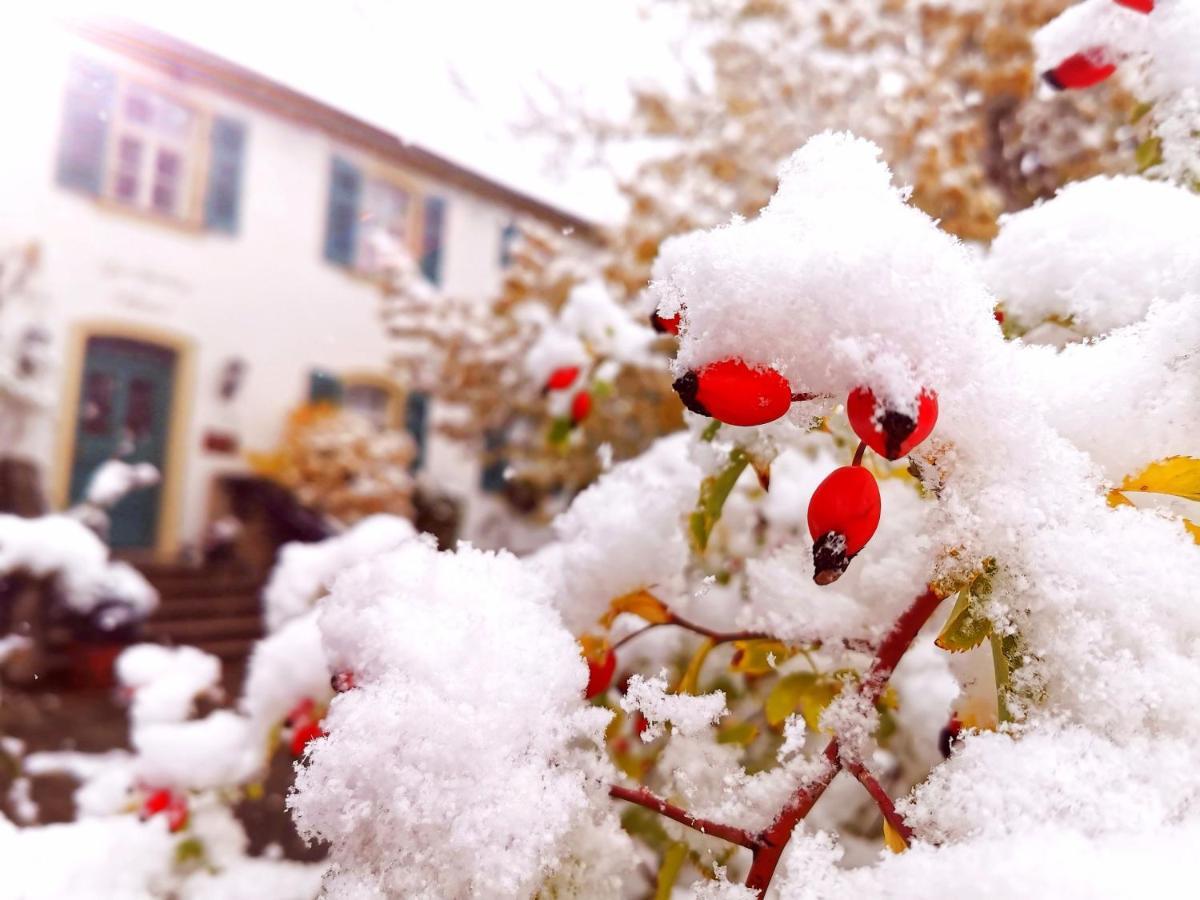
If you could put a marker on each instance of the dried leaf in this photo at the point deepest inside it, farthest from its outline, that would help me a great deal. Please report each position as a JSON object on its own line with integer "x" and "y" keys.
{"x": 641, "y": 603}
{"x": 892, "y": 838}
{"x": 687, "y": 684}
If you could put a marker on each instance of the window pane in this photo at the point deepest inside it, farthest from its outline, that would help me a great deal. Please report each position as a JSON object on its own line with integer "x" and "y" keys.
{"x": 370, "y": 401}
{"x": 385, "y": 211}
{"x": 96, "y": 409}
{"x": 140, "y": 417}
{"x": 129, "y": 158}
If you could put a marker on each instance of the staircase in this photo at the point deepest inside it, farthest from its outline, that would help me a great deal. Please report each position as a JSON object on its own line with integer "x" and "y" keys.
{"x": 218, "y": 612}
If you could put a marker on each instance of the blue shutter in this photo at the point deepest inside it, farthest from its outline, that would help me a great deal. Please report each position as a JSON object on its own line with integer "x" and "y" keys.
{"x": 492, "y": 478}
{"x": 87, "y": 108}
{"x": 221, "y": 203}
{"x": 431, "y": 239}
{"x": 341, "y": 223}
{"x": 416, "y": 420}
{"x": 324, "y": 388}
{"x": 508, "y": 237}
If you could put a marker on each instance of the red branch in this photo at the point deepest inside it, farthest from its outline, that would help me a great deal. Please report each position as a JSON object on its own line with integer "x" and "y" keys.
{"x": 643, "y": 797}
{"x": 882, "y": 800}
{"x": 768, "y": 845}
{"x": 779, "y": 832}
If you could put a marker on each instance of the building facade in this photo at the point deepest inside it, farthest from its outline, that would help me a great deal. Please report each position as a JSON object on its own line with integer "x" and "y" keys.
{"x": 207, "y": 264}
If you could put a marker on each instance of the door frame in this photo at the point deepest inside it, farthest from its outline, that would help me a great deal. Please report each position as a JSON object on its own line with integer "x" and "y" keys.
{"x": 167, "y": 538}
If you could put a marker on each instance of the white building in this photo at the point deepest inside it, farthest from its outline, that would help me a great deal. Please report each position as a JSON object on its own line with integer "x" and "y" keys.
{"x": 204, "y": 226}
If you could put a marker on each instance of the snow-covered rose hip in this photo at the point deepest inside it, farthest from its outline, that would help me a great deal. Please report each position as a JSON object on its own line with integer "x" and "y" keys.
{"x": 1142, "y": 6}
{"x": 889, "y": 432}
{"x": 663, "y": 325}
{"x": 732, "y": 392}
{"x": 1080, "y": 70}
{"x": 842, "y": 515}
{"x": 173, "y": 806}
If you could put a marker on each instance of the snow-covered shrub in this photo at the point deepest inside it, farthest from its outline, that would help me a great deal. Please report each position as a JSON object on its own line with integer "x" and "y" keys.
{"x": 739, "y": 690}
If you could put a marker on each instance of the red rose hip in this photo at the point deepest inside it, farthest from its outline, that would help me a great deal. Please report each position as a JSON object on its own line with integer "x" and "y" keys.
{"x": 1080, "y": 70}
{"x": 600, "y": 673}
{"x": 890, "y": 433}
{"x": 842, "y": 515}
{"x": 581, "y": 405}
{"x": 562, "y": 378}
{"x": 734, "y": 393}
{"x": 664, "y": 325}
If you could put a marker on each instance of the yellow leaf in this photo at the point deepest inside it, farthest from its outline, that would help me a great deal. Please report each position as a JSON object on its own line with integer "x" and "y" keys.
{"x": 668, "y": 871}
{"x": 641, "y": 603}
{"x": 687, "y": 684}
{"x": 593, "y": 647}
{"x": 1116, "y": 498}
{"x": 805, "y": 692}
{"x": 892, "y": 839}
{"x": 1175, "y": 475}
{"x": 759, "y": 657}
{"x": 1193, "y": 529}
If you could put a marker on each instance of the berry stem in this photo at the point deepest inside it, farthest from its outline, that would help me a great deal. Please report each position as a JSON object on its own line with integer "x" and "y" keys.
{"x": 859, "y": 645}
{"x": 858, "y": 454}
{"x": 643, "y": 797}
{"x": 882, "y": 800}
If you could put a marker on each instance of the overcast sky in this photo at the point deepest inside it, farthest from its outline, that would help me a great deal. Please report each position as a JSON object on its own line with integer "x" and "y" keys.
{"x": 449, "y": 74}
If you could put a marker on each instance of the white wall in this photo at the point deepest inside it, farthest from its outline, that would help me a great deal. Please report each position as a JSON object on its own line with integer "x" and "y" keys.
{"x": 266, "y": 294}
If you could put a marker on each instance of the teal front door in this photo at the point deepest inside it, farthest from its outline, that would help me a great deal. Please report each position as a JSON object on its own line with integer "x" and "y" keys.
{"x": 124, "y": 411}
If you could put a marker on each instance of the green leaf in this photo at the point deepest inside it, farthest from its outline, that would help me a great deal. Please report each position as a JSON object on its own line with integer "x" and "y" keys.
{"x": 714, "y": 491}
{"x": 740, "y": 733}
{"x": 1006, "y": 659}
{"x": 967, "y": 626}
{"x": 1148, "y": 153}
{"x": 560, "y": 430}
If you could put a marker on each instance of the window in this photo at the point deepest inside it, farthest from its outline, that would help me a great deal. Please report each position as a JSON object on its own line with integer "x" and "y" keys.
{"x": 386, "y": 211}
{"x": 147, "y": 150}
{"x": 362, "y": 207}
{"x": 371, "y": 401}
{"x": 154, "y": 137}
{"x": 324, "y": 387}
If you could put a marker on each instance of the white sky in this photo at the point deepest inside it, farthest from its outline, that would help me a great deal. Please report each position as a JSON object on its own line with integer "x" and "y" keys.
{"x": 450, "y": 75}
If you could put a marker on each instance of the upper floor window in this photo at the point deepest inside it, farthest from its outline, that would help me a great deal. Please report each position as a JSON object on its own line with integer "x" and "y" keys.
{"x": 140, "y": 146}
{"x": 363, "y": 207}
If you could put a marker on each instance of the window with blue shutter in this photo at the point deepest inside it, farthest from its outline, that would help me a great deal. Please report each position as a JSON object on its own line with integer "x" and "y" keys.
{"x": 324, "y": 387}
{"x": 431, "y": 238}
{"x": 341, "y": 223}
{"x": 87, "y": 108}
{"x": 508, "y": 237}
{"x": 416, "y": 421}
{"x": 221, "y": 202}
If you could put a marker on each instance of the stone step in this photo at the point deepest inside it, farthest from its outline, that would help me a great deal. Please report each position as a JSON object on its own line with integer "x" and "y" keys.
{"x": 195, "y": 631}
{"x": 174, "y": 608}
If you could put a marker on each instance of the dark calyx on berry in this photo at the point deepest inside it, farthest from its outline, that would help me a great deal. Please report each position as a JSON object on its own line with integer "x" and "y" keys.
{"x": 896, "y": 428}
{"x": 664, "y": 325}
{"x": 829, "y": 558}
{"x": 949, "y": 737}
{"x": 687, "y": 386}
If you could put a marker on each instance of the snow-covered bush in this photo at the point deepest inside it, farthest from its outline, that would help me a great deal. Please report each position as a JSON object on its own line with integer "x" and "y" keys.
{"x": 737, "y": 662}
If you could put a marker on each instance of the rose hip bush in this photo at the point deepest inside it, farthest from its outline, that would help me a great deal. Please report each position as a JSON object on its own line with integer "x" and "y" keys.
{"x": 903, "y": 584}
